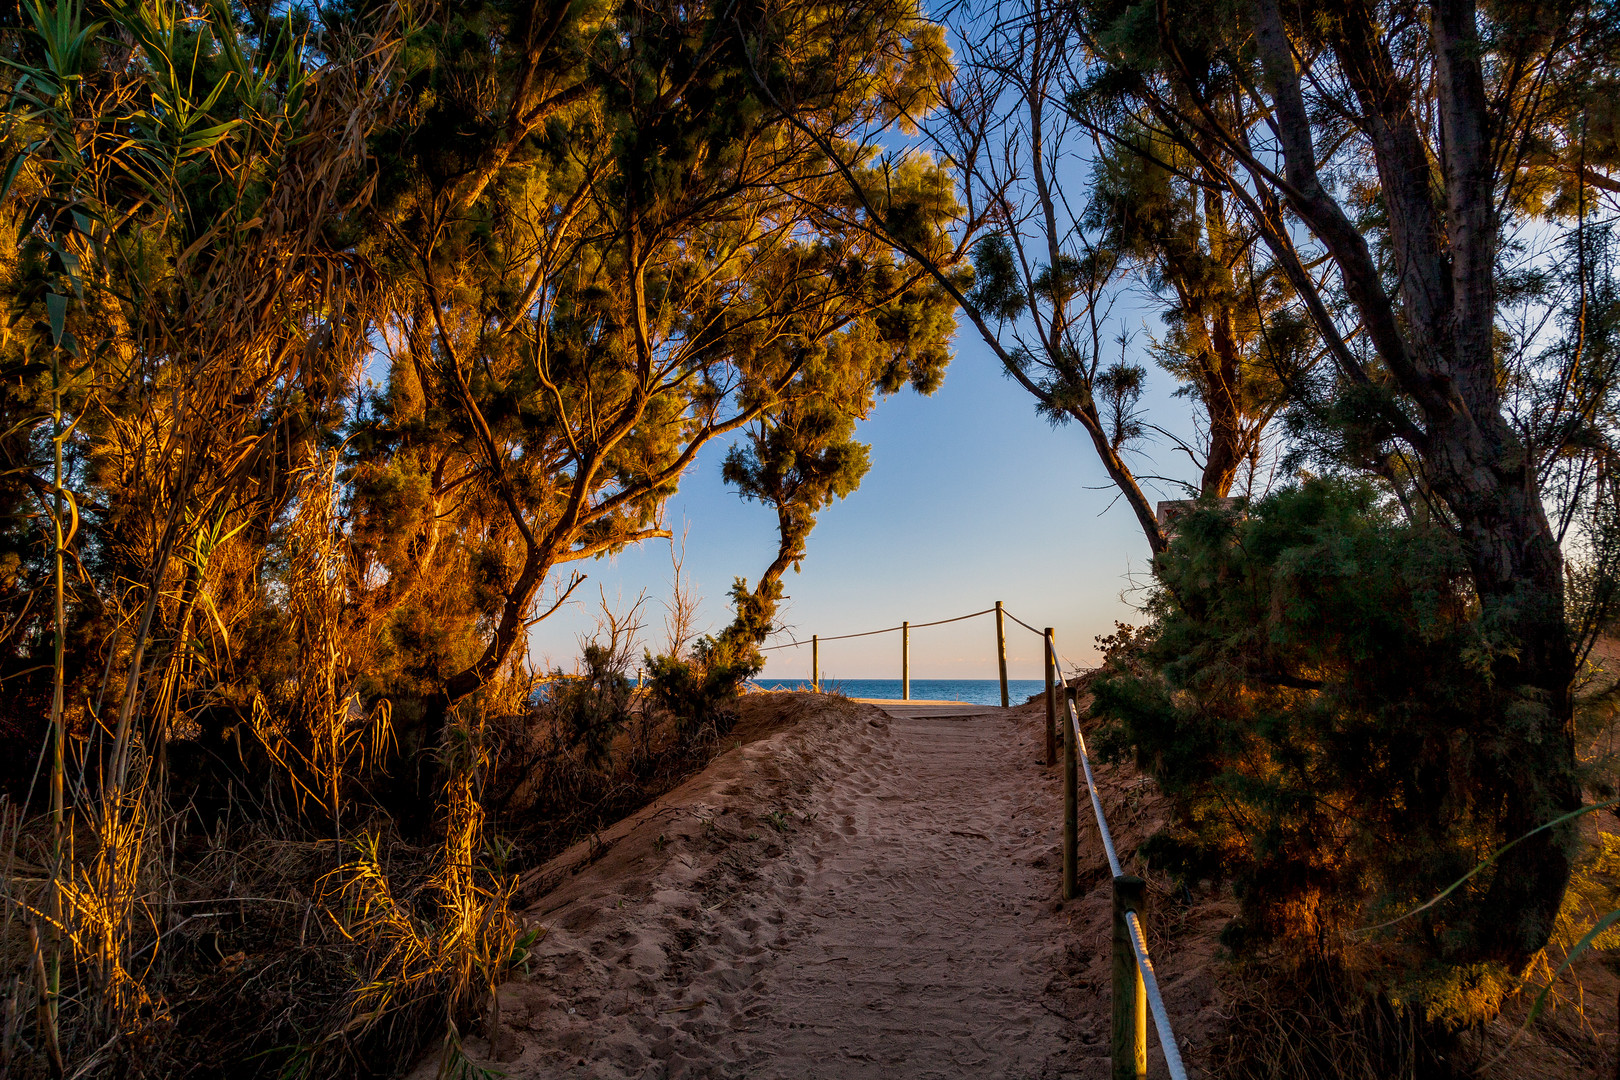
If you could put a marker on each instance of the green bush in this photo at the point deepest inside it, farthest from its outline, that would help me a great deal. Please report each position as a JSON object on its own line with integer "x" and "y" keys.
{"x": 698, "y": 692}
{"x": 591, "y": 709}
{"x": 1314, "y": 697}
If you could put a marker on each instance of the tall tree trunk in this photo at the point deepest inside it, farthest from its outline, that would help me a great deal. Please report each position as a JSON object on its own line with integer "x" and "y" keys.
{"x": 1518, "y": 571}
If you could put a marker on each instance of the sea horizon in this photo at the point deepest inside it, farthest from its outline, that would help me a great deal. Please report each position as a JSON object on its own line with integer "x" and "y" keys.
{"x": 967, "y": 691}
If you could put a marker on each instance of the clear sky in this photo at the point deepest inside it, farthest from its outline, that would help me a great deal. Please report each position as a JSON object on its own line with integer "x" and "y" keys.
{"x": 971, "y": 498}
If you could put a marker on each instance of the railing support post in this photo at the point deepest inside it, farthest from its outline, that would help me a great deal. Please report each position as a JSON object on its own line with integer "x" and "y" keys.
{"x": 1129, "y": 1045}
{"x": 1051, "y": 701}
{"x": 815, "y": 663}
{"x": 1071, "y": 805}
{"x": 905, "y": 661}
{"x": 1001, "y": 652}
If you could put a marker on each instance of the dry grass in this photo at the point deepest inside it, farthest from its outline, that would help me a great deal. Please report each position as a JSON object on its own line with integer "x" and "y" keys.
{"x": 1318, "y": 1018}
{"x": 241, "y": 941}
{"x": 1309, "y": 1021}
{"x": 551, "y": 791}
{"x": 243, "y": 951}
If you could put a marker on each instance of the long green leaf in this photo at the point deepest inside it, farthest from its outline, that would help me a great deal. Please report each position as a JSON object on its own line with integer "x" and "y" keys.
{"x": 12, "y": 169}
{"x": 1487, "y": 861}
{"x": 1579, "y": 947}
{"x": 203, "y": 138}
{"x": 56, "y": 309}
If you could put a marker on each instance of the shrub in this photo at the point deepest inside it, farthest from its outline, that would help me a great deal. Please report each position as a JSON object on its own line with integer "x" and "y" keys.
{"x": 1314, "y": 697}
{"x": 591, "y": 709}
{"x": 697, "y": 693}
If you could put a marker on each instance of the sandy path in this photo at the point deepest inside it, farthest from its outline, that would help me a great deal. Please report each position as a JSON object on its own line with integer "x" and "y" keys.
{"x": 910, "y": 948}
{"x": 855, "y": 896}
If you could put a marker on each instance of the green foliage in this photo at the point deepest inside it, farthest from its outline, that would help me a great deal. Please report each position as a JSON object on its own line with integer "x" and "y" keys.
{"x": 799, "y": 460}
{"x": 636, "y": 252}
{"x": 1232, "y": 340}
{"x": 996, "y": 289}
{"x": 1118, "y": 387}
{"x": 698, "y": 691}
{"x": 528, "y": 284}
{"x": 592, "y": 707}
{"x": 1315, "y": 697}
{"x": 755, "y": 609}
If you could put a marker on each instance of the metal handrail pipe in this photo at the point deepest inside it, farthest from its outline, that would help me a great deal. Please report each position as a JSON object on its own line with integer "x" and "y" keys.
{"x": 1144, "y": 963}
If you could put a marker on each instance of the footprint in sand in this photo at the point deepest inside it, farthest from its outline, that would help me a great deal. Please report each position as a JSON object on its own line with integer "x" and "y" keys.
{"x": 943, "y": 955}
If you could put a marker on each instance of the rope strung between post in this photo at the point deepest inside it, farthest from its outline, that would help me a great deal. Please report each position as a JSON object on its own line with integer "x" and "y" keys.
{"x": 1150, "y": 984}
{"x": 1025, "y": 625}
{"x": 888, "y": 630}
{"x": 1144, "y": 963}
{"x": 1041, "y": 633}
{"x": 840, "y": 637}
{"x": 959, "y": 618}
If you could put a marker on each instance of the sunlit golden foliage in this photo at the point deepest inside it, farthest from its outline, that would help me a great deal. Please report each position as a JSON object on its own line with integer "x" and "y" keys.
{"x": 328, "y": 340}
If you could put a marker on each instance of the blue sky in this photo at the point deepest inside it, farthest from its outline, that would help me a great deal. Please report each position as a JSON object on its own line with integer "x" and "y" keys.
{"x": 971, "y": 498}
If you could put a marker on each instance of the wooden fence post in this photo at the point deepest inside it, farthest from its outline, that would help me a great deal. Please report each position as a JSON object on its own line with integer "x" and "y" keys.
{"x": 1051, "y": 702}
{"x": 815, "y": 663}
{"x": 905, "y": 661}
{"x": 1001, "y": 652}
{"x": 1129, "y": 1044}
{"x": 1071, "y": 804}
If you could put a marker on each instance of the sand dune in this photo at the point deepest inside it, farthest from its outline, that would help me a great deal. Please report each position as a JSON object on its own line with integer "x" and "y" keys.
{"x": 845, "y": 894}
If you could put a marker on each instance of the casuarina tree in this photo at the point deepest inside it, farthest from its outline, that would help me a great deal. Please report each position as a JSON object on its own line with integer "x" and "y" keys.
{"x": 1403, "y": 164}
{"x": 608, "y": 249}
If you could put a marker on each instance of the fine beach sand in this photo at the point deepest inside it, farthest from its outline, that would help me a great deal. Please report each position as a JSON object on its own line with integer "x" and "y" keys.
{"x": 845, "y": 894}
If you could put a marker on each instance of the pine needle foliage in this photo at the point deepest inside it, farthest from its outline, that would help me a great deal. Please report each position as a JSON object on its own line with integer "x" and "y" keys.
{"x": 1315, "y": 697}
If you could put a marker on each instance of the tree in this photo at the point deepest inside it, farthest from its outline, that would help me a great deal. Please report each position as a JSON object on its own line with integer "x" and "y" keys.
{"x": 588, "y": 248}
{"x": 1384, "y": 154}
{"x": 652, "y": 267}
{"x": 1050, "y": 265}
{"x": 1232, "y": 339}
{"x": 799, "y": 461}
{"x": 1298, "y": 696}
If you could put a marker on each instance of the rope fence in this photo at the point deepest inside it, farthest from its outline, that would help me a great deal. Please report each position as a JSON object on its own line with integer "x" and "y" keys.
{"x": 887, "y": 630}
{"x": 1131, "y": 987}
{"x": 1135, "y": 982}
{"x": 1024, "y": 624}
{"x": 905, "y": 629}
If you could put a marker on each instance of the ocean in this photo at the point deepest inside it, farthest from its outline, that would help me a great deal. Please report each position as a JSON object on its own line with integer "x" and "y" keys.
{"x": 972, "y": 691}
